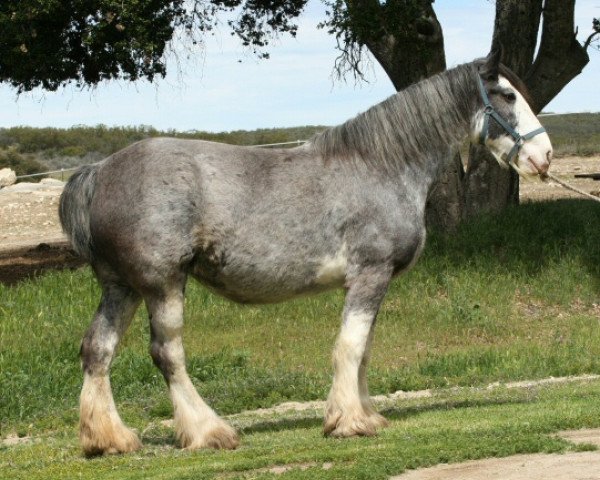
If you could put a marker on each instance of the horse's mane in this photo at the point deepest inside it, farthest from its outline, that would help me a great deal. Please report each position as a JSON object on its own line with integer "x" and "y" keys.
{"x": 409, "y": 126}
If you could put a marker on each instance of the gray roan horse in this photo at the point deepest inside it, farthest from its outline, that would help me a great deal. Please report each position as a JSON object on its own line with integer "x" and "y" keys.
{"x": 345, "y": 210}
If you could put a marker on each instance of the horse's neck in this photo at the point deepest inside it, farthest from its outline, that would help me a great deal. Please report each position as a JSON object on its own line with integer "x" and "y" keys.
{"x": 443, "y": 132}
{"x": 411, "y": 134}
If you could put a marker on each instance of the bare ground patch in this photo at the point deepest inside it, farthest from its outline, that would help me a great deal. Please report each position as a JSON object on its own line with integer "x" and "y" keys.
{"x": 570, "y": 466}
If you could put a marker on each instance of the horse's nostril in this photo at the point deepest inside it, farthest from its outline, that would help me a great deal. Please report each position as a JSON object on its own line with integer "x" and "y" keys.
{"x": 549, "y": 156}
{"x": 539, "y": 163}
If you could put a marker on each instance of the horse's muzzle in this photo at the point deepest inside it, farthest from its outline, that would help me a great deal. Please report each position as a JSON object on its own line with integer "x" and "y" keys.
{"x": 539, "y": 163}
{"x": 535, "y": 158}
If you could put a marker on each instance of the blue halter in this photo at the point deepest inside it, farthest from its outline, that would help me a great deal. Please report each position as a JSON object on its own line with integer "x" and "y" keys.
{"x": 490, "y": 111}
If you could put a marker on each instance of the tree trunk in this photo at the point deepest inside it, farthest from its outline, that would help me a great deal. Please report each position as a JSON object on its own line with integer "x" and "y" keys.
{"x": 446, "y": 202}
{"x": 488, "y": 186}
{"x": 413, "y": 52}
{"x": 560, "y": 58}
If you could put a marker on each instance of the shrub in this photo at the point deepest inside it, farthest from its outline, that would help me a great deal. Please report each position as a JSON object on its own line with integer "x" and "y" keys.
{"x": 21, "y": 164}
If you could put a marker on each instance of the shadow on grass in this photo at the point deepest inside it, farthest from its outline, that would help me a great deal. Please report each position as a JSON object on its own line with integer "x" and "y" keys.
{"x": 391, "y": 413}
{"x": 526, "y": 238}
{"x": 281, "y": 424}
{"x": 404, "y": 413}
{"x": 160, "y": 440}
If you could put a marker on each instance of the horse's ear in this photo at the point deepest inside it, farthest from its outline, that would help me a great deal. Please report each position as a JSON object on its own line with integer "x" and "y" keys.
{"x": 491, "y": 65}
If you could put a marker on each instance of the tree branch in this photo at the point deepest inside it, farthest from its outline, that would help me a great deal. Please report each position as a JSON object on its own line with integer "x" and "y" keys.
{"x": 596, "y": 27}
{"x": 517, "y": 19}
{"x": 560, "y": 57}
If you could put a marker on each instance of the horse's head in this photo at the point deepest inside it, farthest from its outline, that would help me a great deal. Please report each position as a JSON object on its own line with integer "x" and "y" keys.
{"x": 505, "y": 123}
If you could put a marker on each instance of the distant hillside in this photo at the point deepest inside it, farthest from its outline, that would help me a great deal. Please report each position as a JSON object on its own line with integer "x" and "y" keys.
{"x": 574, "y": 134}
{"x": 30, "y": 150}
{"x": 56, "y": 148}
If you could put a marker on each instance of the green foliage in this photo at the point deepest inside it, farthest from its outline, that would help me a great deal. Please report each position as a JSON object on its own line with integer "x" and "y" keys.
{"x": 573, "y": 134}
{"x": 357, "y": 24}
{"x": 58, "y": 148}
{"x": 49, "y": 43}
{"x": 52, "y": 141}
{"x": 21, "y": 164}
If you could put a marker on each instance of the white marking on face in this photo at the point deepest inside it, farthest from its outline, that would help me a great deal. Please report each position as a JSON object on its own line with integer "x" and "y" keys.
{"x": 534, "y": 155}
{"x": 333, "y": 269}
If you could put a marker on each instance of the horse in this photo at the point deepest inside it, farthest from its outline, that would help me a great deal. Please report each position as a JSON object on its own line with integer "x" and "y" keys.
{"x": 255, "y": 225}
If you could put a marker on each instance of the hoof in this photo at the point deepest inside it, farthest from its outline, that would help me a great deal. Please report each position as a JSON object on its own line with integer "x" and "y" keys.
{"x": 109, "y": 442}
{"x": 378, "y": 421}
{"x": 358, "y": 425}
{"x": 219, "y": 436}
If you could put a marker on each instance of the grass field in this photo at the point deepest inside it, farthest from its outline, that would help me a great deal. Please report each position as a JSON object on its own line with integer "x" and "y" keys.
{"x": 507, "y": 297}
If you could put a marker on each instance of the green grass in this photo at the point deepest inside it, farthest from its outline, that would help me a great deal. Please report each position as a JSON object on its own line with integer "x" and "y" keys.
{"x": 451, "y": 426}
{"x": 507, "y": 297}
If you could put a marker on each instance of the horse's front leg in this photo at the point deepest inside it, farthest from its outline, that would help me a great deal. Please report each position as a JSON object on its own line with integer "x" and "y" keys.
{"x": 349, "y": 411}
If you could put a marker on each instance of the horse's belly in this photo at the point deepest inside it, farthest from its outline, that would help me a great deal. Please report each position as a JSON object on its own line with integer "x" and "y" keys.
{"x": 264, "y": 281}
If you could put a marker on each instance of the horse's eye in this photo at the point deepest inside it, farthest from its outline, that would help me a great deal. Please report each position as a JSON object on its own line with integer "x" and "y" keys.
{"x": 510, "y": 97}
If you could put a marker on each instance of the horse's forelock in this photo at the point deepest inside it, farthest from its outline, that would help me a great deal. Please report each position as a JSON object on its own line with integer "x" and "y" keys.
{"x": 516, "y": 82}
{"x": 513, "y": 78}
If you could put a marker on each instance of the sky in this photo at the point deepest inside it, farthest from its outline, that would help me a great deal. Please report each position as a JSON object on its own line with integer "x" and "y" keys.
{"x": 221, "y": 87}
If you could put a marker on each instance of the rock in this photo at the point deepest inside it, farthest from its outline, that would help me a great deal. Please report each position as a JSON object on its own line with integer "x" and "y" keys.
{"x": 24, "y": 187}
{"x": 52, "y": 182}
{"x": 7, "y": 177}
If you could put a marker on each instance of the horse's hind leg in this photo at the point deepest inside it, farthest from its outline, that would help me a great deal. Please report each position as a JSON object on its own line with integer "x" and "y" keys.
{"x": 196, "y": 424}
{"x": 101, "y": 430}
{"x": 349, "y": 411}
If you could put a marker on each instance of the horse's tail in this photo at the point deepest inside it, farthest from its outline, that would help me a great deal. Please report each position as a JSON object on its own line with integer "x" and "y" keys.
{"x": 74, "y": 209}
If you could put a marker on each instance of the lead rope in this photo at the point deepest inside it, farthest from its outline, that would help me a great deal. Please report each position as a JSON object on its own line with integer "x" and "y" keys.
{"x": 568, "y": 186}
{"x": 562, "y": 183}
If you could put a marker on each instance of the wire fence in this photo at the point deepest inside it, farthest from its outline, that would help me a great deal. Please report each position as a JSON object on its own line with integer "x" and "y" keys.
{"x": 51, "y": 172}
{"x": 62, "y": 171}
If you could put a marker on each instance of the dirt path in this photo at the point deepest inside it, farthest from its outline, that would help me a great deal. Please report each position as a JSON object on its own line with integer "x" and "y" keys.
{"x": 571, "y": 466}
{"x": 564, "y": 168}
{"x": 29, "y": 215}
